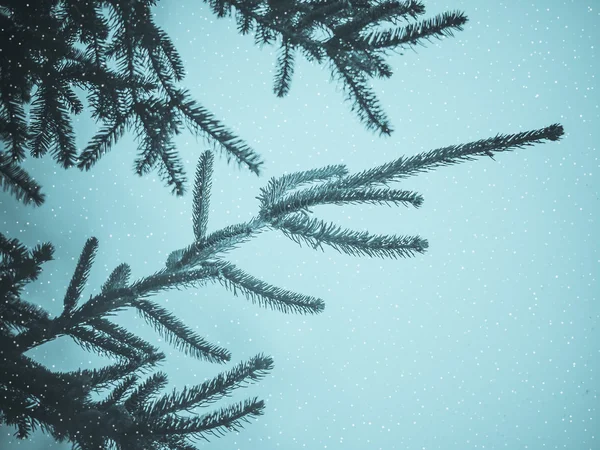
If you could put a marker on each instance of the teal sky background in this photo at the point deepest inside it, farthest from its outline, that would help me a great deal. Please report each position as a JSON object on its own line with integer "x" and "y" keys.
{"x": 489, "y": 340}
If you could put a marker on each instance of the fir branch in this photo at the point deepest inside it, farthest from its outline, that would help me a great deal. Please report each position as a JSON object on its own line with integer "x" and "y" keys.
{"x": 118, "y": 279}
{"x": 14, "y": 411}
{"x": 19, "y": 183}
{"x": 19, "y": 314}
{"x": 96, "y": 307}
{"x": 244, "y": 23}
{"x": 99, "y": 306}
{"x": 100, "y": 379}
{"x": 167, "y": 279}
{"x": 56, "y": 121}
{"x": 140, "y": 398}
{"x": 443, "y": 25}
{"x": 172, "y": 171}
{"x": 297, "y": 38}
{"x": 13, "y": 121}
{"x": 277, "y": 187}
{"x": 201, "y": 199}
{"x": 215, "y": 424}
{"x": 80, "y": 277}
{"x": 122, "y": 335}
{"x": 321, "y": 195}
{"x": 379, "y": 12}
{"x": 203, "y": 122}
{"x": 16, "y": 270}
{"x": 266, "y": 295}
{"x": 40, "y": 129}
{"x": 18, "y": 371}
{"x": 285, "y": 69}
{"x": 371, "y": 63}
{"x": 221, "y": 386}
{"x": 170, "y": 53}
{"x": 12, "y": 250}
{"x": 117, "y": 394}
{"x": 221, "y": 241}
{"x": 178, "y": 334}
{"x": 157, "y": 145}
{"x": 173, "y": 259}
{"x": 445, "y": 156}
{"x": 320, "y": 13}
{"x": 75, "y": 106}
{"x": 317, "y": 233}
{"x": 102, "y": 142}
{"x": 101, "y": 343}
{"x": 359, "y": 93}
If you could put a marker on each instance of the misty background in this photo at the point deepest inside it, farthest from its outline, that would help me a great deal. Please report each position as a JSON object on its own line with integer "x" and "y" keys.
{"x": 489, "y": 340}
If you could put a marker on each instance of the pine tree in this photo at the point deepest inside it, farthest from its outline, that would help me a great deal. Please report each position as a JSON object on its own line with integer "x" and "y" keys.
{"x": 133, "y": 414}
{"x": 130, "y": 70}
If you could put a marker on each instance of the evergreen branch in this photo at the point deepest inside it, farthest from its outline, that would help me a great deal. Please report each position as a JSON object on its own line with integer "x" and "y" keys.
{"x": 40, "y": 254}
{"x": 297, "y": 38}
{"x": 102, "y": 142}
{"x": 364, "y": 101}
{"x": 139, "y": 399}
{"x": 95, "y": 307}
{"x": 162, "y": 70}
{"x": 14, "y": 411}
{"x": 221, "y": 386}
{"x": 171, "y": 54}
{"x": 119, "y": 392}
{"x": 321, "y": 195}
{"x": 201, "y": 199}
{"x": 381, "y": 11}
{"x": 319, "y": 13}
{"x": 172, "y": 171}
{"x": 285, "y": 69}
{"x": 244, "y": 23}
{"x": 80, "y": 277}
{"x": 266, "y": 295}
{"x": 19, "y": 313}
{"x": 19, "y": 183}
{"x": 70, "y": 99}
{"x": 40, "y": 128}
{"x": 101, "y": 343}
{"x": 445, "y": 156}
{"x": 173, "y": 259}
{"x": 64, "y": 148}
{"x": 201, "y": 120}
{"x": 220, "y": 8}
{"x": 372, "y": 64}
{"x": 13, "y": 122}
{"x": 121, "y": 335}
{"x": 177, "y": 334}
{"x": 100, "y": 379}
{"x": 118, "y": 278}
{"x": 221, "y": 241}
{"x": 439, "y": 27}
{"x": 157, "y": 143}
{"x": 165, "y": 279}
{"x": 316, "y": 233}
{"x": 89, "y": 21}
{"x": 19, "y": 266}
{"x": 98, "y": 306}
{"x": 18, "y": 371}
{"x": 12, "y": 249}
{"x": 277, "y": 187}
{"x": 216, "y": 423}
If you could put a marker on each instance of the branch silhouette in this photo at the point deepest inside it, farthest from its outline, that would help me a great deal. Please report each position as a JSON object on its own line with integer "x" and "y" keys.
{"x": 133, "y": 413}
